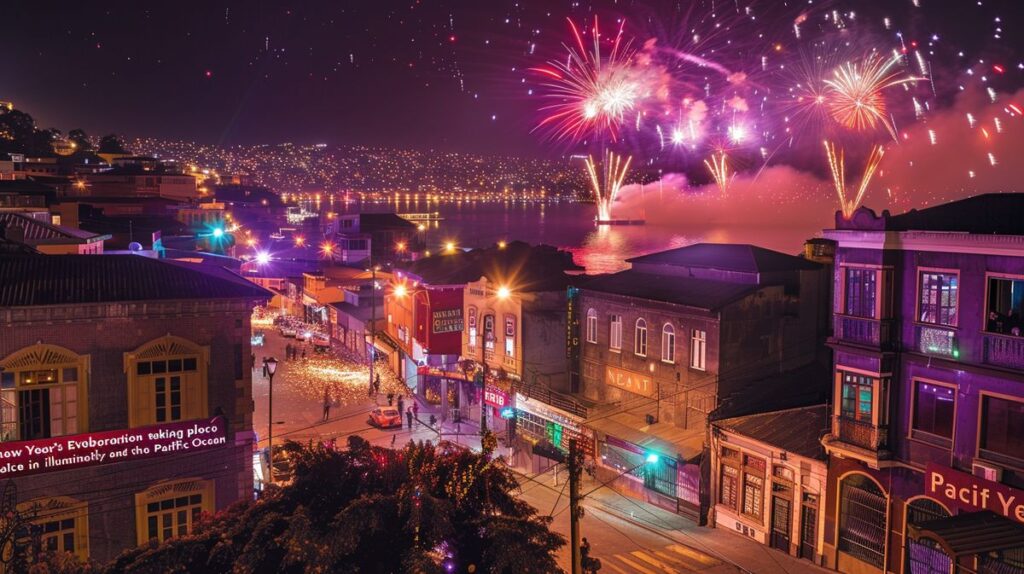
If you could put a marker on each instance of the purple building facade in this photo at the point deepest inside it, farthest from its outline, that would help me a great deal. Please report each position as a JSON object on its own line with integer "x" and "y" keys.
{"x": 926, "y": 469}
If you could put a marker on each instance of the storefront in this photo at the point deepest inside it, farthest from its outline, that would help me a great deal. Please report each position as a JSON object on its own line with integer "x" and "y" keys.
{"x": 458, "y": 396}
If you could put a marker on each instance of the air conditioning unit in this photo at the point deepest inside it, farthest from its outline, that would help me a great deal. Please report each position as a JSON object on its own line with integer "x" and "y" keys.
{"x": 987, "y": 471}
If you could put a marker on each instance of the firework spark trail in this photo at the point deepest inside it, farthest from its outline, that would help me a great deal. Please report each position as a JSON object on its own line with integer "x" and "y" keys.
{"x": 855, "y": 95}
{"x": 837, "y": 167}
{"x": 718, "y": 166}
{"x": 606, "y": 180}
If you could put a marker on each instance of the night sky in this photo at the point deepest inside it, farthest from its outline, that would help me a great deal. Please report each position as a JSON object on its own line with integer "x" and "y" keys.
{"x": 424, "y": 74}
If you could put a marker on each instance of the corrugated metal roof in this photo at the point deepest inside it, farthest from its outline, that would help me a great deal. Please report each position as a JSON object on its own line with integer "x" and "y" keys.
{"x": 794, "y": 430}
{"x": 27, "y": 281}
{"x": 37, "y": 231}
{"x": 698, "y": 293}
{"x": 727, "y": 257}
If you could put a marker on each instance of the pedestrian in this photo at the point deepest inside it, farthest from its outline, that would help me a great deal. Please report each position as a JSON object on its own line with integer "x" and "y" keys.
{"x": 264, "y": 366}
{"x": 252, "y": 359}
{"x": 416, "y": 409}
{"x": 408, "y": 417}
{"x": 288, "y": 351}
{"x": 327, "y": 404}
{"x": 376, "y": 384}
{"x": 303, "y": 352}
{"x": 433, "y": 420}
{"x": 401, "y": 404}
{"x": 585, "y": 548}
{"x": 391, "y": 399}
{"x": 393, "y": 438}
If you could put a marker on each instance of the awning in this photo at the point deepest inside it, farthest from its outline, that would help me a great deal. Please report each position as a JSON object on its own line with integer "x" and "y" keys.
{"x": 387, "y": 340}
{"x": 970, "y": 533}
{"x": 663, "y": 438}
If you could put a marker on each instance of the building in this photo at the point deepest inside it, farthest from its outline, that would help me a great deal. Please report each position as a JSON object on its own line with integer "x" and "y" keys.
{"x": 768, "y": 478}
{"x": 48, "y": 238}
{"x": 141, "y": 180}
{"x": 683, "y": 334}
{"x": 926, "y": 470}
{"x": 131, "y": 378}
{"x": 384, "y": 236}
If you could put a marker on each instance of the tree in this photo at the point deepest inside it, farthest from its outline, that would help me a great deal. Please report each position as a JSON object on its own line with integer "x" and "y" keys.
{"x": 110, "y": 143}
{"x": 80, "y": 139}
{"x": 426, "y": 508}
{"x": 18, "y": 134}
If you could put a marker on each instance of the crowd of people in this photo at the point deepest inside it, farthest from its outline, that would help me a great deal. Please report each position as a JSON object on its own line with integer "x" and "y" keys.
{"x": 1004, "y": 324}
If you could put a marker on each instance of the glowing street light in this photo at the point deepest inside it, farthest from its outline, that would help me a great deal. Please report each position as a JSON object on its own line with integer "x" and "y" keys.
{"x": 449, "y": 247}
{"x": 299, "y": 241}
{"x": 400, "y": 291}
{"x": 502, "y": 244}
{"x": 504, "y": 292}
{"x": 400, "y": 247}
{"x": 218, "y": 232}
{"x": 262, "y": 258}
{"x": 327, "y": 248}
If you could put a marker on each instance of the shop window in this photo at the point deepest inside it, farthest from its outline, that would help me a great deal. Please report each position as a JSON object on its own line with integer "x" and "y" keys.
{"x": 166, "y": 382}
{"x": 857, "y": 391}
{"x": 753, "y": 486}
{"x": 698, "y": 349}
{"x": 1002, "y": 426}
{"x": 615, "y": 332}
{"x": 591, "y": 326}
{"x": 171, "y": 509}
{"x": 860, "y": 291}
{"x": 510, "y": 336}
{"x": 489, "y": 332}
{"x": 56, "y": 525}
{"x": 668, "y": 343}
{"x": 862, "y": 518}
{"x": 925, "y": 556}
{"x": 933, "y": 412}
{"x": 938, "y": 298}
{"x": 729, "y": 486}
{"x": 472, "y": 328}
{"x": 1005, "y": 302}
{"x": 41, "y": 395}
{"x": 640, "y": 338}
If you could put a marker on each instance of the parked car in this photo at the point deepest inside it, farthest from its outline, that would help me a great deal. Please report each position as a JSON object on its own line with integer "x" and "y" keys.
{"x": 385, "y": 417}
{"x": 289, "y": 331}
{"x": 303, "y": 335}
{"x": 321, "y": 342}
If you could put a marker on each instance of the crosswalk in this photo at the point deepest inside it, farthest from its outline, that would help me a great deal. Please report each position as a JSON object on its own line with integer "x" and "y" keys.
{"x": 671, "y": 559}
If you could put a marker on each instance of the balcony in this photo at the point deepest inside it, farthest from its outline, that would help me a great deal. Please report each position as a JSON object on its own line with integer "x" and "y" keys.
{"x": 936, "y": 340}
{"x": 1004, "y": 351}
{"x": 856, "y": 439}
{"x": 880, "y": 334}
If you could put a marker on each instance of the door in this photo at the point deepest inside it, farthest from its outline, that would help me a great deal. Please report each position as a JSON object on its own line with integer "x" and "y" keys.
{"x": 808, "y": 531}
{"x": 782, "y": 518}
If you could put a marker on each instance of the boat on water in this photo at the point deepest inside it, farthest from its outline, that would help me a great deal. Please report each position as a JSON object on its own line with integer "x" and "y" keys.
{"x": 620, "y": 221}
{"x": 426, "y": 216}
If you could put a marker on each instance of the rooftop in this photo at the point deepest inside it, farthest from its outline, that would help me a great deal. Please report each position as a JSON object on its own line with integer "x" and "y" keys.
{"x": 699, "y": 293}
{"x": 727, "y": 257}
{"x": 40, "y": 232}
{"x": 798, "y": 431}
{"x": 530, "y": 268}
{"x": 990, "y": 213}
{"x": 27, "y": 281}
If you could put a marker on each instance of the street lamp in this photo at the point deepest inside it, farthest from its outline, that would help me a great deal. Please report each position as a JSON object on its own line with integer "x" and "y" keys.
{"x": 504, "y": 292}
{"x": 271, "y": 365}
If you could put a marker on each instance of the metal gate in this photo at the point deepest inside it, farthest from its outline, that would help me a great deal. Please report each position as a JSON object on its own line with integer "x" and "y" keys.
{"x": 782, "y": 518}
{"x": 808, "y": 532}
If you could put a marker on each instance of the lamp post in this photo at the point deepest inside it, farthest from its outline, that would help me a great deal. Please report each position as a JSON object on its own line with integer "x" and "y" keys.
{"x": 271, "y": 364}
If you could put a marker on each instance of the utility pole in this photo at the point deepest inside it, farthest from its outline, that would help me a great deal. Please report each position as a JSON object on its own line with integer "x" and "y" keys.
{"x": 574, "y": 505}
{"x": 373, "y": 317}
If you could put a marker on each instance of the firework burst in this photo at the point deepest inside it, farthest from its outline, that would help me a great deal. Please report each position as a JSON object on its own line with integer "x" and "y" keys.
{"x": 837, "y": 167}
{"x": 855, "y": 95}
{"x": 605, "y": 180}
{"x": 718, "y": 167}
{"x": 593, "y": 92}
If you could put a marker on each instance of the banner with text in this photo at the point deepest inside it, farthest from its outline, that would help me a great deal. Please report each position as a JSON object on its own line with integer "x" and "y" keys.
{"x": 447, "y": 320}
{"x": 91, "y": 449}
{"x": 968, "y": 493}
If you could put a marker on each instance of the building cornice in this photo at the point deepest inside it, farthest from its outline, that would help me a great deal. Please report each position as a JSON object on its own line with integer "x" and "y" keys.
{"x": 938, "y": 241}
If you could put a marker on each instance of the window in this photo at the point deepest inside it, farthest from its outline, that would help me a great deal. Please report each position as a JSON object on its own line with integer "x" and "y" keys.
{"x": 510, "y": 336}
{"x": 857, "y": 393}
{"x": 489, "y": 332}
{"x": 640, "y": 338}
{"x": 938, "y": 301}
{"x": 933, "y": 411}
{"x": 862, "y": 518}
{"x": 698, "y": 349}
{"x": 753, "y": 486}
{"x": 861, "y": 289}
{"x": 472, "y": 328}
{"x": 167, "y": 382}
{"x": 57, "y": 525}
{"x": 1005, "y": 301}
{"x": 40, "y": 394}
{"x": 668, "y": 343}
{"x": 1002, "y": 425}
{"x": 591, "y": 326}
{"x": 615, "y": 333}
{"x": 728, "y": 489}
{"x": 171, "y": 509}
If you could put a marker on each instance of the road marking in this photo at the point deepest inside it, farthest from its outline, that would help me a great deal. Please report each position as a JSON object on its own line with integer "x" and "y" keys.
{"x": 678, "y": 560}
{"x": 608, "y": 563}
{"x": 656, "y": 563}
{"x": 636, "y": 567}
{"x": 694, "y": 555}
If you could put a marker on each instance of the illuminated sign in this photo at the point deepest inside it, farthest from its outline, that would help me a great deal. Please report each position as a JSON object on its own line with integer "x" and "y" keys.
{"x": 629, "y": 381}
{"x": 447, "y": 321}
{"x": 93, "y": 449}
{"x": 966, "y": 492}
{"x": 495, "y": 397}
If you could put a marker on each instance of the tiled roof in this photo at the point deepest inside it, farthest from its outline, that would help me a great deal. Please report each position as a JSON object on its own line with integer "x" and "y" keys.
{"x": 40, "y": 232}
{"x": 699, "y": 293}
{"x": 727, "y": 257}
{"x": 76, "y": 279}
{"x": 793, "y": 430}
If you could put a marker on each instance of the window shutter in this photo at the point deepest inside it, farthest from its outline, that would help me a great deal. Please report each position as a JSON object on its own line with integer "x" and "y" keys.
{"x": 56, "y": 411}
{"x": 192, "y": 401}
{"x": 71, "y": 409}
{"x": 145, "y": 402}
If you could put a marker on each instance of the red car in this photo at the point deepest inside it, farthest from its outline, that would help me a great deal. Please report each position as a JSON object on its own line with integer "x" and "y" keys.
{"x": 385, "y": 418}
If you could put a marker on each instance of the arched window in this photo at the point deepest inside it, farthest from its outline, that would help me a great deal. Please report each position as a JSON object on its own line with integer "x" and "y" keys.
{"x": 59, "y": 524}
{"x": 591, "y": 326}
{"x": 925, "y": 556}
{"x": 171, "y": 509}
{"x": 167, "y": 381}
{"x": 640, "y": 338}
{"x": 472, "y": 331}
{"x": 668, "y": 343}
{"x": 43, "y": 393}
{"x": 615, "y": 332}
{"x": 862, "y": 519}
